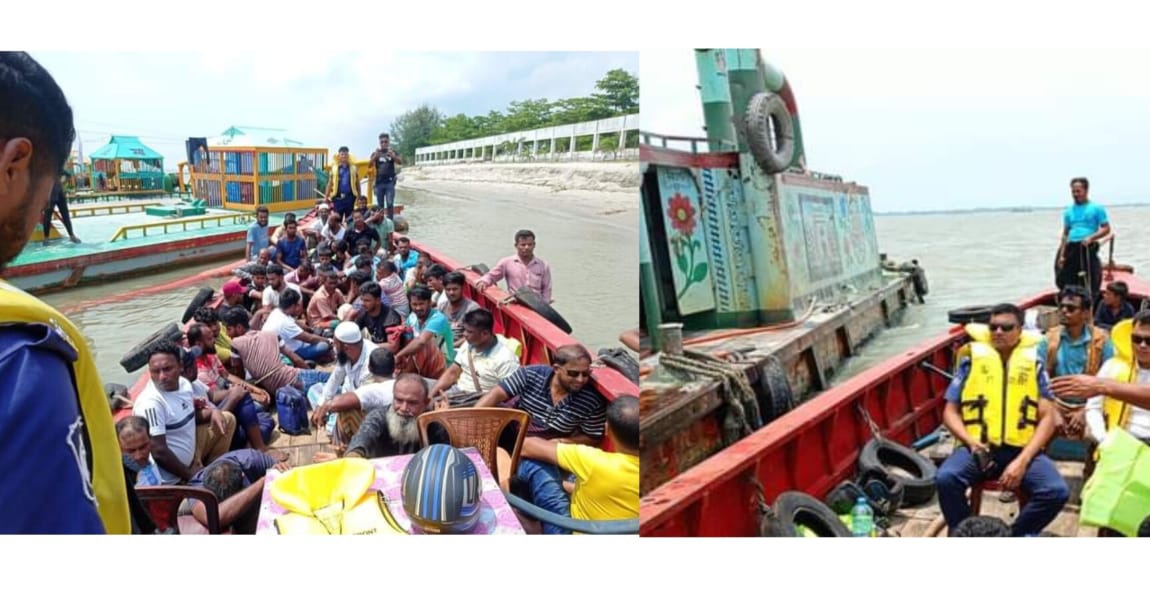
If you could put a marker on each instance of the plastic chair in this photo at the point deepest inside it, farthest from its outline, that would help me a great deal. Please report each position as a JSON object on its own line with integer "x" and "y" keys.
{"x": 163, "y": 502}
{"x": 582, "y": 526}
{"x": 977, "y": 489}
{"x": 480, "y": 428}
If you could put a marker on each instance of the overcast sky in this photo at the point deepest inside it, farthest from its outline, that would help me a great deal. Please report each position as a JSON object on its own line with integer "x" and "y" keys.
{"x": 945, "y": 129}
{"x": 323, "y": 99}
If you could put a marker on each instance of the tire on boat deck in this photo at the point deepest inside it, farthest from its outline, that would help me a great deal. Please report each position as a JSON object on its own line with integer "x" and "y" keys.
{"x": 535, "y": 302}
{"x": 966, "y": 315}
{"x": 201, "y": 299}
{"x": 774, "y": 391}
{"x": 480, "y": 268}
{"x": 795, "y": 508}
{"x": 882, "y": 454}
{"x": 622, "y": 361}
{"x": 137, "y": 357}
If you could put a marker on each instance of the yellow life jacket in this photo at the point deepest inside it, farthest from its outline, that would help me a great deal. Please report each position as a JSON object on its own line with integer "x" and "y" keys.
{"x": 107, "y": 472}
{"x": 1000, "y": 410}
{"x": 1122, "y": 369}
{"x": 334, "y": 497}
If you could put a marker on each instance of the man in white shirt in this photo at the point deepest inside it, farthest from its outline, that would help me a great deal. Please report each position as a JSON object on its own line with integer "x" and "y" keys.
{"x": 281, "y": 321}
{"x": 481, "y": 362}
{"x": 352, "y": 355}
{"x": 351, "y": 407}
{"x": 1130, "y": 365}
{"x": 276, "y": 284}
{"x": 173, "y": 408}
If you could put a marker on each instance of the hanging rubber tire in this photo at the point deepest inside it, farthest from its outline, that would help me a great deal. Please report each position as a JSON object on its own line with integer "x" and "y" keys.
{"x": 137, "y": 357}
{"x": 895, "y": 488}
{"x": 401, "y": 225}
{"x": 966, "y": 315}
{"x": 201, "y": 299}
{"x": 480, "y": 269}
{"x": 767, "y": 112}
{"x": 774, "y": 391}
{"x": 535, "y": 302}
{"x": 921, "y": 287}
{"x": 793, "y": 509}
{"x": 622, "y": 361}
{"x": 881, "y": 455}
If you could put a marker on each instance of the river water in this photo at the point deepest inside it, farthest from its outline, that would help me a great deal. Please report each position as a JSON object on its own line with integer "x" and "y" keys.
{"x": 593, "y": 256}
{"x": 983, "y": 258}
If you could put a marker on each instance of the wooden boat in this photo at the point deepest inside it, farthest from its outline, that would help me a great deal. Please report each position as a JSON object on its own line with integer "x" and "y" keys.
{"x": 538, "y": 336}
{"x": 816, "y": 446}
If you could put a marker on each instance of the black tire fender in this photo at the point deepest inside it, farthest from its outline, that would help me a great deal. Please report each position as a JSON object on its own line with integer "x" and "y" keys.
{"x": 966, "y": 315}
{"x": 766, "y": 112}
{"x": 137, "y": 357}
{"x": 201, "y": 299}
{"x": 480, "y": 268}
{"x": 534, "y": 301}
{"x": 774, "y": 391}
{"x": 881, "y": 454}
{"x": 795, "y": 508}
{"x": 622, "y": 361}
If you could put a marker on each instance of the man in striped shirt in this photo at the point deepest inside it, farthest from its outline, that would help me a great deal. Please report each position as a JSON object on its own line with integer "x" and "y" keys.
{"x": 563, "y": 409}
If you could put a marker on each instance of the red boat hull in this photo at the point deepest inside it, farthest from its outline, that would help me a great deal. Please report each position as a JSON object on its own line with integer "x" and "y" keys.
{"x": 815, "y": 447}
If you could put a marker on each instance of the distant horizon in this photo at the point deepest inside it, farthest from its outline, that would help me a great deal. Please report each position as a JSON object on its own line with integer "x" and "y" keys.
{"x": 1044, "y": 207}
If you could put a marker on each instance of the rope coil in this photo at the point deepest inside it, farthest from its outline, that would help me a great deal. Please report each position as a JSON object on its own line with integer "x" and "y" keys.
{"x": 743, "y": 416}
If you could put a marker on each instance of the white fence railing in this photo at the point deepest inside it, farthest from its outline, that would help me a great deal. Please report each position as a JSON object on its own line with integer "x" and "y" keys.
{"x": 541, "y": 144}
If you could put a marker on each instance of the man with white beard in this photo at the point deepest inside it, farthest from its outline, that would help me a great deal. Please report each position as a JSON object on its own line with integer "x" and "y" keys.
{"x": 394, "y": 430}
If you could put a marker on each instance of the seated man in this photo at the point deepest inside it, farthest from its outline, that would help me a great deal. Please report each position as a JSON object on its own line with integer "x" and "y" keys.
{"x": 1131, "y": 365}
{"x": 173, "y": 409}
{"x": 563, "y": 407}
{"x": 606, "y": 483}
{"x": 259, "y": 355}
{"x": 324, "y": 307}
{"x": 455, "y": 305}
{"x": 376, "y": 317}
{"x": 480, "y": 363}
{"x": 429, "y": 327}
{"x": 351, "y": 407}
{"x": 229, "y": 392}
{"x": 237, "y": 480}
{"x": 394, "y": 429}
{"x": 1113, "y": 307}
{"x": 139, "y": 468}
{"x": 281, "y": 322}
{"x": 392, "y": 286}
{"x": 1072, "y": 348}
{"x": 1003, "y": 417}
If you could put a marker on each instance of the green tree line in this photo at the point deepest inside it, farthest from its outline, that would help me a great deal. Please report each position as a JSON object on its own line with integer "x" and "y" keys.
{"x": 617, "y": 94}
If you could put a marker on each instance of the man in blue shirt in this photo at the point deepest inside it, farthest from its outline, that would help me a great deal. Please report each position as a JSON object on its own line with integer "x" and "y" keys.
{"x": 1084, "y": 223}
{"x": 1114, "y": 307}
{"x": 60, "y": 465}
{"x": 1073, "y": 348}
{"x": 258, "y": 237}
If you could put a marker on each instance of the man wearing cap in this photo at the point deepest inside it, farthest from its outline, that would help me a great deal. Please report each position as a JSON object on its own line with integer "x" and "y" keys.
{"x": 314, "y": 231}
{"x": 352, "y": 354}
{"x": 350, "y": 407}
{"x": 343, "y": 185}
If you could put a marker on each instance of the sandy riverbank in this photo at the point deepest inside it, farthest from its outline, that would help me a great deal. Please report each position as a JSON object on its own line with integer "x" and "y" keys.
{"x": 608, "y": 188}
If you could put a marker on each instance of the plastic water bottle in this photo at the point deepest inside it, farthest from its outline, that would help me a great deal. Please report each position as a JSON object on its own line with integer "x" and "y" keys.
{"x": 862, "y": 518}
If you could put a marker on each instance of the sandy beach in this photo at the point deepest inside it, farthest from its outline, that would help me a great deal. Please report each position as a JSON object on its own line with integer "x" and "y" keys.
{"x": 608, "y": 189}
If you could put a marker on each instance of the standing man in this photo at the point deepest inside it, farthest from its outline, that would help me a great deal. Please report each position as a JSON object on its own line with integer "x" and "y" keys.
{"x": 61, "y": 458}
{"x": 59, "y": 202}
{"x": 343, "y": 185}
{"x": 258, "y": 236}
{"x": 521, "y": 270}
{"x": 384, "y": 160}
{"x": 999, "y": 409}
{"x": 1083, "y": 224}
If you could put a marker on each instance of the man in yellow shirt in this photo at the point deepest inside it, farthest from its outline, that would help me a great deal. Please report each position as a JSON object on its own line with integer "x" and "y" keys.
{"x": 606, "y": 483}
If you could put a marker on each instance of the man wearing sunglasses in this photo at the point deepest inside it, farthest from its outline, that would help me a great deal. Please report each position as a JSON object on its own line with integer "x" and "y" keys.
{"x": 999, "y": 408}
{"x": 564, "y": 408}
{"x": 1120, "y": 394}
{"x": 1072, "y": 348}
